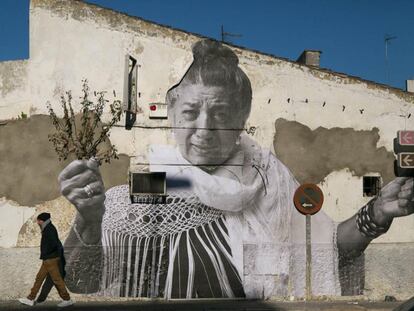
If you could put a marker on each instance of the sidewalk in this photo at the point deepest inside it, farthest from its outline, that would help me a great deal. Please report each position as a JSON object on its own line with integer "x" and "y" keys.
{"x": 208, "y": 305}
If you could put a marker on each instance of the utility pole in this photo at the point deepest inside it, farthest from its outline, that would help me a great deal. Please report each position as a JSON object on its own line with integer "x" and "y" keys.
{"x": 227, "y": 34}
{"x": 387, "y": 40}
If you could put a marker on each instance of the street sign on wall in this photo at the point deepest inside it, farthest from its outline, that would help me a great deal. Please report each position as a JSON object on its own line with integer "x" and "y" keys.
{"x": 406, "y": 138}
{"x": 404, "y": 150}
{"x": 406, "y": 159}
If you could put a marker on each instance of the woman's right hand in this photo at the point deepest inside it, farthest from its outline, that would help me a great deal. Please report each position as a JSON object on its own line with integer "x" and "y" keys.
{"x": 81, "y": 183}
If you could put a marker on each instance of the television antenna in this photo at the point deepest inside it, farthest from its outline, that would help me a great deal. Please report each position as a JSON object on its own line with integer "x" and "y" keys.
{"x": 387, "y": 41}
{"x": 225, "y": 34}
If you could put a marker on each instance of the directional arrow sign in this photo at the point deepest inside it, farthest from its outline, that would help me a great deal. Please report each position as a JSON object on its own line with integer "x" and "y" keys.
{"x": 406, "y": 159}
{"x": 406, "y": 138}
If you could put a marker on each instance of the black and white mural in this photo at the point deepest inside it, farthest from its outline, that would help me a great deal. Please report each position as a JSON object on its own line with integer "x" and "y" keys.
{"x": 228, "y": 227}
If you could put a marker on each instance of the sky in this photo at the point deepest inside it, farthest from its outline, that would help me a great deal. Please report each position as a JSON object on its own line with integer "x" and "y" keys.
{"x": 350, "y": 33}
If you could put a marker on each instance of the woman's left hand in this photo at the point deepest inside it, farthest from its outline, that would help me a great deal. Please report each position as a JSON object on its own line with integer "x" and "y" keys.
{"x": 396, "y": 200}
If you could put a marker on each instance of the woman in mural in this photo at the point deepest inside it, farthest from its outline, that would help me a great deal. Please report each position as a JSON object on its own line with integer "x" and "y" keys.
{"x": 235, "y": 214}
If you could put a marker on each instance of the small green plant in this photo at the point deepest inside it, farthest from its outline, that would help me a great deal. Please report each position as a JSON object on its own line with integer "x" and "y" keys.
{"x": 22, "y": 116}
{"x": 84, "y": 134}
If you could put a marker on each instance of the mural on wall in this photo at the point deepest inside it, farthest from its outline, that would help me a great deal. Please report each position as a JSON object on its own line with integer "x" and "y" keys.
{"x": 230, "y": 225}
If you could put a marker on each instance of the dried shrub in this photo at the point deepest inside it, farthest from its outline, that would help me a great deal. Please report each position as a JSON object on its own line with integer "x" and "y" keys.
{"x": 84, "y": 134}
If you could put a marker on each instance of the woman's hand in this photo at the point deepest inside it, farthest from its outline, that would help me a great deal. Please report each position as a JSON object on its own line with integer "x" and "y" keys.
{"x": 396, "y": 200}
{"x": 81, "y": 183}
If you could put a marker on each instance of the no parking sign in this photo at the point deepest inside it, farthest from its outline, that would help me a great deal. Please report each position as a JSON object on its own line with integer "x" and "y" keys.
{"x": 308, "y": 199}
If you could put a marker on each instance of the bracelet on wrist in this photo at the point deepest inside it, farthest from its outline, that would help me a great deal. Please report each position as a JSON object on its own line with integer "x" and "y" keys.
{"x": 366, "y": 224}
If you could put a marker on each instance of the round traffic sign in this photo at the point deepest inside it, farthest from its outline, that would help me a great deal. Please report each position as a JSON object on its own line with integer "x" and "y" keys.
{"x": 308, "y": 199}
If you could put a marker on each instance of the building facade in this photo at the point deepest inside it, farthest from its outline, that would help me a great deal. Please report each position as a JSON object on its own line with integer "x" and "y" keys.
{"x": 243, "y": 238}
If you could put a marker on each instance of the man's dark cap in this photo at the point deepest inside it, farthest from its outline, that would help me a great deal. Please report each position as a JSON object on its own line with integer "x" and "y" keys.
{"x": 43, "y": 216}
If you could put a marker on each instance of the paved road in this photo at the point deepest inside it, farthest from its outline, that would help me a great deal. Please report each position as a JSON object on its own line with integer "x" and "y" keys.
{"x": 243, "y": 305}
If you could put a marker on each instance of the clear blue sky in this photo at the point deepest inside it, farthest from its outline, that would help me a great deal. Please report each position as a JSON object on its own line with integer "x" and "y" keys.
{"x": 349, "y": 32}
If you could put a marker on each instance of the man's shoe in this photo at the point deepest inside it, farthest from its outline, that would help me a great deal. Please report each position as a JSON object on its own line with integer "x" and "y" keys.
{"x": 27, "y": 302}
{"x": 65, "y": 303}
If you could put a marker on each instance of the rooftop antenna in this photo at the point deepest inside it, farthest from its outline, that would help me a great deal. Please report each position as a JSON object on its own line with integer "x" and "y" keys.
{"x": 387, "y": 40}
{"x": 225, "y": 34}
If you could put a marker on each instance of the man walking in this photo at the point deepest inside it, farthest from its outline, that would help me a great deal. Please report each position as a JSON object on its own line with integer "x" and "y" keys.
{"x": 50, "y": 253}
{"x": 48, "y": 283}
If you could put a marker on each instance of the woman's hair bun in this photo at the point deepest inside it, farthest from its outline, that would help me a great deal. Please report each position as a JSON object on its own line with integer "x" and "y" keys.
{"x": 208, "y": 50}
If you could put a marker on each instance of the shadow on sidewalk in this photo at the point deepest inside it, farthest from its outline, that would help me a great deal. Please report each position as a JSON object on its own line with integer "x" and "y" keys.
{"x": 406, "y": 306}
{"x": 199, "y": 305}
{"x": 215, "y": 305}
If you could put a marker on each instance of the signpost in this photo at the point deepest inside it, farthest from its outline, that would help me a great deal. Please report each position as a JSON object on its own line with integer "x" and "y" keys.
{"x": 404, "y": 149}
{"x": 308, "y": 200}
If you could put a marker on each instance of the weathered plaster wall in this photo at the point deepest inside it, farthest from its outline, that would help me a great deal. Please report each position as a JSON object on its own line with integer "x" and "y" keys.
{"x": 29, "y": 161}
{"x": 29, "y": 168}
{"x": 164, "y": 55}
{"x": 328, "y": 128}
{"x": 14, "y": 86}
{"x": 312, "y": 155}
{"x": 14, "y": 217}
{"x": 337, "y": 159}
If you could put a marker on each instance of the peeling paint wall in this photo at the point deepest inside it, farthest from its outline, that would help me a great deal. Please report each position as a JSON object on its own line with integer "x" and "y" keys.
{"x": 312, "y": 155}
{"x": 14, "y": 217}
{"x": 35, "y": 167}
{"x": 14, "y": 89}
{"x": 29, "y": 168}
{"x": 328, "y": 128}
{"x": 337, "y": 159}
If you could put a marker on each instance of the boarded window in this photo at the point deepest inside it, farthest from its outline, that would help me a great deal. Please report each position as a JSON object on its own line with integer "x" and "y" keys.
{"x": 371, "y": 186}
{"x": 148, "y": 183}
{"x": 148, "y": 188}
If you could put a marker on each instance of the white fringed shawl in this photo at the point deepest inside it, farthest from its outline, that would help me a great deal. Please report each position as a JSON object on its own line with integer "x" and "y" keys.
{"x": 254, "y": 191}
{"x": 267, "y": 234}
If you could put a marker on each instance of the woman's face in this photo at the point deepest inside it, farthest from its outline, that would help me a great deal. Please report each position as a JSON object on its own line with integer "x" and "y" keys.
{"x": 206, "y": 123}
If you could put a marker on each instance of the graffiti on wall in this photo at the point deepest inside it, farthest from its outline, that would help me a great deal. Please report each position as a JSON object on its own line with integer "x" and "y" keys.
{"x": 230, "y": 230}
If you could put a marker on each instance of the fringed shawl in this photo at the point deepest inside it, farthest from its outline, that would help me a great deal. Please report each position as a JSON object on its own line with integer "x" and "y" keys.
{"x": 240, "y": 216}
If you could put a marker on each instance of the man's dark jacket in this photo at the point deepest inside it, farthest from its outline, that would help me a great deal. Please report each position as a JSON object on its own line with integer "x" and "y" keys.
{"x": 50, "y": 245}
